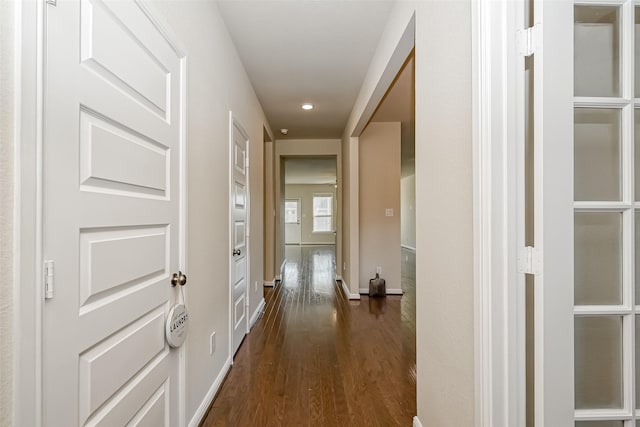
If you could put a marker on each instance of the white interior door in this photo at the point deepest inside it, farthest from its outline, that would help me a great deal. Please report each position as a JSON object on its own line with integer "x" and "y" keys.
{"x": 292, "y": 232}
{"x": 587, "y": 215}
{"x": 111, "y": 215}
{"x": 239, "y": 254}
{"x": 605, "y": 213}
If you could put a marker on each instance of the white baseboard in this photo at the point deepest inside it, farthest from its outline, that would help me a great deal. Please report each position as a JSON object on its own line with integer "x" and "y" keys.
{"x": 347, "y": 291}
{"x": 416, "y": 422}
{"x": 408, "y": 247}
{"x": 270, "y": 284}
{"x": 206, "y": 402}
{"x": 365, "y": 291}
{"x": 256, "y": 314}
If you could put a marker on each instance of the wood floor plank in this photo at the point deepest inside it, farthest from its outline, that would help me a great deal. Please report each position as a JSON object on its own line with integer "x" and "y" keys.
{"x": 314, "y": 358}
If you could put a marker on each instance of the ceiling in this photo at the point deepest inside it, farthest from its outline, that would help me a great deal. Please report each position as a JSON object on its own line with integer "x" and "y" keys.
{"x": 301, "y": 51}
{"x": 310, "y": 170}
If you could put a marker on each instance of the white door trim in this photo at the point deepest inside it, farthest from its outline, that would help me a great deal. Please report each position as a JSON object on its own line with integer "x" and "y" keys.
{"x": 498, "y": 138}
{"x": 28, "y": 198}
{"x": 28, "y": 222}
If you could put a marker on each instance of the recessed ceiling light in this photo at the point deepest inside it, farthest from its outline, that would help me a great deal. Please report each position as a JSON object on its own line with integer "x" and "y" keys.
{"x": 284, "y": 131}
{"x": 307, "y": 106}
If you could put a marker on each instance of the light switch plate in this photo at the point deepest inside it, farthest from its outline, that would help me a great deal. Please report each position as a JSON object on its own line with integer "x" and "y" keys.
{"x": 388, "y": 212}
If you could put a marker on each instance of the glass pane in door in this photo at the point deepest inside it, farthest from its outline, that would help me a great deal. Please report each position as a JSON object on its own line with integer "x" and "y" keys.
{"x": 637, "y": 255}
{"x": 637, "y": 361}
{"x": 597, "y": 154}
{"x": 598, "y": 258}
{"x": 597, "y": 51}
{"x": 598, "y": 362}
{"x": 636, "y": 137}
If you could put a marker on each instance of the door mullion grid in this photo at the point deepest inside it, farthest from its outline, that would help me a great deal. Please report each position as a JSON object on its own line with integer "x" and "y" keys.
{"x": 627, "y": 206}
{"x": 628, "y": 128}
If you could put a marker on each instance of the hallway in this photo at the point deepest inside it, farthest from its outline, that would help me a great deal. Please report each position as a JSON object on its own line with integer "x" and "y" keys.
{"x": 316, "y": 359}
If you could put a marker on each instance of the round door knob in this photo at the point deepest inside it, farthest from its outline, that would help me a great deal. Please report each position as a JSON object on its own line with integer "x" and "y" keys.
{"x": 178, "y": 279}
{"x": 236, "y": 252}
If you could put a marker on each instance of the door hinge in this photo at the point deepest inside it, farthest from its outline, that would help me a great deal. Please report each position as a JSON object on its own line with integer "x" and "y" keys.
{"x": 48, "y": 279}
{"x": 529, "y": 40}
{"x": 530, "y": 261}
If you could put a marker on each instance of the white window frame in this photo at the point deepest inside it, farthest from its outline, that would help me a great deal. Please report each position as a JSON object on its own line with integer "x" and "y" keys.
{"x": 332, "y": 227}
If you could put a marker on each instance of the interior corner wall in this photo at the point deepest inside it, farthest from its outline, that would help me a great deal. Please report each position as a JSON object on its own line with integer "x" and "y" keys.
{"x": 7, "y": 141}
{"x": 345, "y": 223}
{"x": 445, "y": 352}
{"x": 408, "y": 212}
{"x": 216, "y": 83}
{"x": 269, "y": 214}
{"x": 444, "y": 208}
{"x": 379, "y": 203}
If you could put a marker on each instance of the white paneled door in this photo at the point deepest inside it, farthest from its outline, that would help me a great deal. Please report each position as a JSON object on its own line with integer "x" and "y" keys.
{"x": 111, "y": 215}
{"x": 239, "y": 248}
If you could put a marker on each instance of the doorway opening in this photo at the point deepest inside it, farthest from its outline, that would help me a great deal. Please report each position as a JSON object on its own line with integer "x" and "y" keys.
{"x": 387, "y": 187}
{"x": 310, "y": 195}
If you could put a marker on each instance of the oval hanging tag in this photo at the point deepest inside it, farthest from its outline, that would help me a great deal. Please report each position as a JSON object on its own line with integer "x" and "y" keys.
{"x": 177, "y": 325}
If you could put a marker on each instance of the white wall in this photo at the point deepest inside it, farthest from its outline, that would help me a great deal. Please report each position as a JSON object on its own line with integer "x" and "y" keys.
{"x": 7, "y": 135}
{"x": 217, "y": 83}
{"x": 379, "y": 190}
{"x": 305, "y": 192}
{"x": 408, "y": 211}
{"x": 444, "y": 237}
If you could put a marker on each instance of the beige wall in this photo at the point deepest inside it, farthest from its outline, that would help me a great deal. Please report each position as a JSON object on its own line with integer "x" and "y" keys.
{"x": 408, "y": 211}
{"x": 344, "y": 269}
{"x": 379, "y": 190}
{"x": 7, "y": 135}
{"x": 305, "y": 192}
{"x": 216, "y": 83}
{"x": 444, "y": 237}
{"x": 269, "y": 214}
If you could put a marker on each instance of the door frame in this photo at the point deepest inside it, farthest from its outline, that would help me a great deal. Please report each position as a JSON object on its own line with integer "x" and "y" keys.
{"x": 28, "y": 199}
{"x": 499, "y": 41}
{"x": 234, "y": 121}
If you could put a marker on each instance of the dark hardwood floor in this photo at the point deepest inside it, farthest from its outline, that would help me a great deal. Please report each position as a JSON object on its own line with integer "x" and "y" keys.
{"x": 315, "y": 358}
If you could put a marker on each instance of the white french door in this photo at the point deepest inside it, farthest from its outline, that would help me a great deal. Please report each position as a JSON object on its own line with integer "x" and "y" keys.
{"x": 112, "y": 152}
{"x": 545, "y": 71}
{"x": 605, "y": 214}
{"x": 587, "y": 215}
